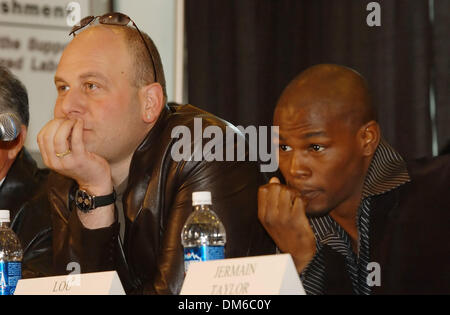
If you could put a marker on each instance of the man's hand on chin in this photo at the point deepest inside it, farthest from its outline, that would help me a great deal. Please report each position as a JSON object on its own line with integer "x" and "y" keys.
{"x": 282, "y": 213}
{"x": 63, "y": 150}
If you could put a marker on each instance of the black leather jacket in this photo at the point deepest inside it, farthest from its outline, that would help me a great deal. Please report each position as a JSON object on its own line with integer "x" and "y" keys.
{"x": 156, "y": 203}
{"x": 24, "y": 193}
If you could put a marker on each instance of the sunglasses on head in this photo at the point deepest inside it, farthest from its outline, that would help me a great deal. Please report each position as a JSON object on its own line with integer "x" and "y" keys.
{"x": 114, "y": 18}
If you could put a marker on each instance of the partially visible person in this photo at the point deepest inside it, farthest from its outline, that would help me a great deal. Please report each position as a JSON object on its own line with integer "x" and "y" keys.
{"x": 111, "y": 137}
{"x": 23, "y": 184}
{"x": 355, "y": 216}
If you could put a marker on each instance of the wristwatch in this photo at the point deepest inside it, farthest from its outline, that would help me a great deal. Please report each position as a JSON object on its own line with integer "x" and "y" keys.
{"x": 86, "y": 203}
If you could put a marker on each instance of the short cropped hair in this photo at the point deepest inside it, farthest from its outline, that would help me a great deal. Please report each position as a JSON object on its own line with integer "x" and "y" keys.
{"x": 142, "y": 62}
{"x": 13, "y": 96}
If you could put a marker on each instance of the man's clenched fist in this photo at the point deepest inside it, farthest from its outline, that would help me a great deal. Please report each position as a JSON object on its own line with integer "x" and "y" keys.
{"x": 282, "y": 213}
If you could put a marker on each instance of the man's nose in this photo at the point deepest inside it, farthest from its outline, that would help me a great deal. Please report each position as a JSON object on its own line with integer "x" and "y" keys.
{"x": 299, "y": 165}
{"x": 72, "y": 104}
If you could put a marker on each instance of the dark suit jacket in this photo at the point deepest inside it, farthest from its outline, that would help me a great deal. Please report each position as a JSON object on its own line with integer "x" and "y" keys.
{"x": 409, "y": 235}
{"x": 24, "y": 193}
{"x": 156, "y": 203}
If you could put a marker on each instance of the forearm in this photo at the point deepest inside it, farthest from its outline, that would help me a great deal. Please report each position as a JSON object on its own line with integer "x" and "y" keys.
{"x": 312, "y": 274}
{"x": 303, "y": 258}
{"x": 93, "y": 249}
{"x": 99, "y": 218}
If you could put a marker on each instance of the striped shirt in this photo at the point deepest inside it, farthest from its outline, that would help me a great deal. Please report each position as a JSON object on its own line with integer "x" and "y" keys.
{"x": 387, "y": 171}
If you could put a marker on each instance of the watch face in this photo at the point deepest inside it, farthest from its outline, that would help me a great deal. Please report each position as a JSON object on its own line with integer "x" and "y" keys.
{"x": 83, "y": 200}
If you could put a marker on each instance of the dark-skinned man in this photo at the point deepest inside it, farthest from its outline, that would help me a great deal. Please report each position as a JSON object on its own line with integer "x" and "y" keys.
{"x": 356, "y": 218}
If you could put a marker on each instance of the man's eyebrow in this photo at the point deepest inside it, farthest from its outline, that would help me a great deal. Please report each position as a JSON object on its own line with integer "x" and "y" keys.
{"x": 308, "y": 135}
{"x": 93, "y": 75}
{"x": 85, "y": 76}
{"x": 58, "y": 79}
{"x": 314, "y": 134}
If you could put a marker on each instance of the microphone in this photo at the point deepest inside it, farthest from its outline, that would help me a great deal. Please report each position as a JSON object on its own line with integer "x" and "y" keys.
{"x": 9, "y": 127}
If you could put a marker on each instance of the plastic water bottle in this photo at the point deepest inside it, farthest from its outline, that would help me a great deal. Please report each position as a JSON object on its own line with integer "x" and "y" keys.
{"x": 10, "y": 256}
{"x": 203, "y": 235}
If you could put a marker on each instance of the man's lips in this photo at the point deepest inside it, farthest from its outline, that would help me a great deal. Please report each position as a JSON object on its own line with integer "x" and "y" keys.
{"x": 309, "y": 194}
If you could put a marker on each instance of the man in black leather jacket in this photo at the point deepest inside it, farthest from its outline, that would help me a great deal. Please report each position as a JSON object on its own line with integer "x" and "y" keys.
{"x": 112, "y": 132}
{"x": 23, "y": 185}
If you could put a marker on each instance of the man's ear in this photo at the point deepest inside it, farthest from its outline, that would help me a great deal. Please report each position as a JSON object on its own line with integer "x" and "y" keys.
{"x": 152, "y": 101}
{"x": 370, "y": 136}
{"x": 18, "y": 143}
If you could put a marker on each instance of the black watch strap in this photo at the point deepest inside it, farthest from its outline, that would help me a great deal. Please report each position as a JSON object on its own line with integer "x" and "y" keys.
{"x": 85, "y": 202}
{"x": 101, "y": 201}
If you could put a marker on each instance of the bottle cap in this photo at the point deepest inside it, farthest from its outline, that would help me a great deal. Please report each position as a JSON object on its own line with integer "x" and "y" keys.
{"x": 201, "y": 198}
{"x": 4, "y": 216}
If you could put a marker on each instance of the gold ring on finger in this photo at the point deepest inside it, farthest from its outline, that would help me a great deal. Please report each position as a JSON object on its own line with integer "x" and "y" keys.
{"x": 61, "y": 155}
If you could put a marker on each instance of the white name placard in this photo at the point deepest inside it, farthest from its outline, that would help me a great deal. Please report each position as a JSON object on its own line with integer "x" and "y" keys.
{"x": 98, "y": 283}
{"x": 258, "y": 275}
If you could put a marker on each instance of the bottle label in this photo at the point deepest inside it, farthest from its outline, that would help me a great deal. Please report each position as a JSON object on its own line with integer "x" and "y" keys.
{"x": 3, "y": 278}
{"x": 14, "y": 275}
{"x": 10, "y": 274}
{"x": 202, "y": 253}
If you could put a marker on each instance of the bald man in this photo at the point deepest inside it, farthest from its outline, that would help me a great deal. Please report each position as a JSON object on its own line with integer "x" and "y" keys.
{"x": 355, "y": 217}
{"x": 119, "y": 200}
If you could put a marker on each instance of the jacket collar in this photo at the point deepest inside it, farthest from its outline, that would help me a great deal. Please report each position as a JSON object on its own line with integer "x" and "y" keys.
{"x": 156, "y": 130}
{"x": 21, "y": 173}
{"x": 387, "y": 171}
{"x": 21, "y": 181}
{"x": 141, "y": 156}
